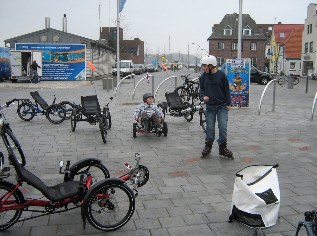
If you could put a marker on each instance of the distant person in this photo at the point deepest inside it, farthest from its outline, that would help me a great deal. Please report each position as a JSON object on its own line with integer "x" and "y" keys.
{"x": 215, "y": 92}
{"x": 34, "y": 67}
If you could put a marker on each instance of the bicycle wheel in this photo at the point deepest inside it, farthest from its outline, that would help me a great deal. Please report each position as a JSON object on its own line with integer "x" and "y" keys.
{"x": 10, "y": 141}
{"x": 97, "y": 170}
{"x": 109, "y": 205}
{"x": 295, "y": 81}
{"x": 68, "y": 108}
{"x": 55, "y": 114}
{"x": 202, "y": 119}
{"x": 134, "y": 130}
{"x": 10, "y": 217}
{"x": 26, "y": 111}
{"x": 102, "y": 125}
{"x": 183, "y": 93}
{"x": 73, "y": 120}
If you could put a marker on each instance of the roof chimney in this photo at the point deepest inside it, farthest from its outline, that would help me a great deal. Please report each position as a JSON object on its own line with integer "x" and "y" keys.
{"x": 279, "y": 22}
{"x": 64, "y": 23}
{"x": 47, "y": 23}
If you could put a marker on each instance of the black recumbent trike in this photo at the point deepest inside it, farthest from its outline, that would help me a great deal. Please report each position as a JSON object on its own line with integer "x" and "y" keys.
{"x": 90, "y": 111}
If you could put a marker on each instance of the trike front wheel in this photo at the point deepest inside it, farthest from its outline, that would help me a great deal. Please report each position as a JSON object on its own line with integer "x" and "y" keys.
{"x": 26, "y": 111}
{"x": 109, "y": 205}
{"x": 73, "y": 120}
{"x": 15, "y": 197}
{"x": 10, "y": 141}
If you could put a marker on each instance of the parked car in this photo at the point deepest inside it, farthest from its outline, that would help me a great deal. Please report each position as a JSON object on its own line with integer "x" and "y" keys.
{"x": 150, "y": 68}
{"x": 258, "y": 76}
{"x": 138, "y": 69}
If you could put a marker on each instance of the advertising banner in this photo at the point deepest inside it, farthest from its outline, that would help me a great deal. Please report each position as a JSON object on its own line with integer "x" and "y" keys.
{"x": 238, "y": 73}
{"x": 59, "y": 61}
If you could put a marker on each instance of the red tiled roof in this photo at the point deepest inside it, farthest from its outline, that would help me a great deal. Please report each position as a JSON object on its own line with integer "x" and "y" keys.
{"x": 292, "y": 39}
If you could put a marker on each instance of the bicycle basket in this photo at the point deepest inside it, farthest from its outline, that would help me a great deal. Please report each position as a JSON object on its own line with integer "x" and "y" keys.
{"x": 256, "y": 196}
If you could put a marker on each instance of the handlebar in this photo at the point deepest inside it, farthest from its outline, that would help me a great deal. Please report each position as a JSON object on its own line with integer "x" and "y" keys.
{"x": 7, "y": 104}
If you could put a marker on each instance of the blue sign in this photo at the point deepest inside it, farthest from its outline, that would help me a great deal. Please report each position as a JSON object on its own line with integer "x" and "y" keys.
{"x": 238, "y": 73}
{"x": 59, "y": 61}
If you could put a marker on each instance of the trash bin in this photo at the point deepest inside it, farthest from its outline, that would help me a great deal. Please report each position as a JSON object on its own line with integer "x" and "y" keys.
{"x": 256, "y": 196}
{"x": 107, "y": 83}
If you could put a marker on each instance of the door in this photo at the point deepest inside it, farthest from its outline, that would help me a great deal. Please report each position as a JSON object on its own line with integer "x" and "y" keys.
{"x": 16, "y": 63}
{"x": 38, "y": 57}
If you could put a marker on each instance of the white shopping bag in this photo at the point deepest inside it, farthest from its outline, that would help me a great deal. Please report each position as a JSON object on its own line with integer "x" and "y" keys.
{"x": 256, "y": 196}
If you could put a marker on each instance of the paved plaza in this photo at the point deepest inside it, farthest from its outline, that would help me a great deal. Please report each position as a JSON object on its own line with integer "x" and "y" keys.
{"x": 186, "y": 195}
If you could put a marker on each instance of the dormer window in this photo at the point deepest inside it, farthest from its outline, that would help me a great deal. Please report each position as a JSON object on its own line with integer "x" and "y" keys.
{"x": 227, "y": 30}
{"x": 247, "y": 31}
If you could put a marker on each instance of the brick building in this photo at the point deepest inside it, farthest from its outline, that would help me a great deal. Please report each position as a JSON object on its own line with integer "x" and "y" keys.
{"x": 223, "y": 42}
{"x": 129, "y": 49}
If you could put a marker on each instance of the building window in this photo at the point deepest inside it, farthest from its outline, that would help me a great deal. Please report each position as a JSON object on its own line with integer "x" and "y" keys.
{"x": 234, "y": 46}
{"x": 220, "y": 61}
{"x": 306, "y": 47}
{"x": 311, "y": 48}
{"x": 221, "y": 46}
{"x": 253, "y": 46}
{"x": 253, "y": 61}
{"x": 292, "y": 65}
{"x": 227, "y": 30}
{"x": 309, "y": 29}
{"x": 282, "y": 35}
{"x": 247, "y": 31}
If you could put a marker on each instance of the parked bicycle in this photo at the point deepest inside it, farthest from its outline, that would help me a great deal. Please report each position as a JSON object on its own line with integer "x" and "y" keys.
{"x": 189, "y": 90}
{"x": 111, "y": 198}
{"x": 283, "y": 79}
{"x": 310, "y": 223}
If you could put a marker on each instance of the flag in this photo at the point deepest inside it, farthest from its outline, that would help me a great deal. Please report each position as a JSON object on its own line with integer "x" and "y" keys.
{"x": 121, "y": 5}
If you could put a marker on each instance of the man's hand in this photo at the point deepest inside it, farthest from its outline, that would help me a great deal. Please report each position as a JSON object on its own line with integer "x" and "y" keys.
{"x": 206, "y": 99}
{"x": 228, "y": 108}
{"x": 136, "y": 118}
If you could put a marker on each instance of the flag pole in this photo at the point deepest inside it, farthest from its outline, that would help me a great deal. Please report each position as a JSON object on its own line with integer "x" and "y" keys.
{"x": 118, "y": 44}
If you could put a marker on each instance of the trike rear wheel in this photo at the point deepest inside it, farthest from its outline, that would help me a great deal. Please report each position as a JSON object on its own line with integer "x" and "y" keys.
{"x": 109, "y": 205}
{"x": 9, "y": 217}
{"x": 26, "y": 111}
{"x": 55, "y": 114}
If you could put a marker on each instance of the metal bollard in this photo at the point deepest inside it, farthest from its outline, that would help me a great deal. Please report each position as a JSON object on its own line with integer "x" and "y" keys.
{"x": 290, "y": 82}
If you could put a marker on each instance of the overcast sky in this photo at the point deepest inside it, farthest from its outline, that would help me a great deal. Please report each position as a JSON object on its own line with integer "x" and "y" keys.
{"x": 153, "y": 21}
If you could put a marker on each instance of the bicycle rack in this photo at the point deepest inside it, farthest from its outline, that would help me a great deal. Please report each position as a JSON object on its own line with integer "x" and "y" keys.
{"x": 171, "y": 77}
{"x": 133, "y": 75}
{"x": 313, "y": 108}
{"x": 274, "y": 92}
{"x": 146, "y": 77}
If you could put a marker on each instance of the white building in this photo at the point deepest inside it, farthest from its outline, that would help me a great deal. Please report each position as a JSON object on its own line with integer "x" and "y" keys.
{"x": 309, "y": 42}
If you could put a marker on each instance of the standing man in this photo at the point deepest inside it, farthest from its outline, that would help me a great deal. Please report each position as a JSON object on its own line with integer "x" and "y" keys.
{"x": 34, "y": 67}
{"x": 214, "y": 91}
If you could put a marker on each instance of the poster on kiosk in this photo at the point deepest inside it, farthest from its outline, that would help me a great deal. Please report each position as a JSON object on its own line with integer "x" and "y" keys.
{"x": 238, "y": 73}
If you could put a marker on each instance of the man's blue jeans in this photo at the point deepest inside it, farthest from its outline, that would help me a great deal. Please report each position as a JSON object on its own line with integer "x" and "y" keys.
{"x": 219, "y": 113}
